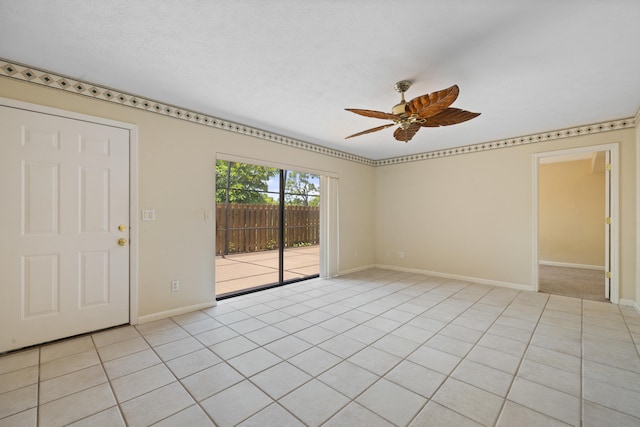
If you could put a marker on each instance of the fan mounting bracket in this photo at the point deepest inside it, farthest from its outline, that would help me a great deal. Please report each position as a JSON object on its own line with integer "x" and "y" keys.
{"x": 402, "y": 86}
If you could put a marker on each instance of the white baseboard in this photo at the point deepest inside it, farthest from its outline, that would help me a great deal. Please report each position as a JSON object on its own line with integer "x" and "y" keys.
{"x": 357, "y": 269}
{"x": 630, "y": 303}
{"x": 175, "y": 312}
{"x": 182, "y": 310}
{"x": 478, "y": 280}
{"x": 571, "y": 265}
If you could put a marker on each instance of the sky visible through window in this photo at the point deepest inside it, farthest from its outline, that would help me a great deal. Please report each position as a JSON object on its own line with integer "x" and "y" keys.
{"x": 274, "y": 186}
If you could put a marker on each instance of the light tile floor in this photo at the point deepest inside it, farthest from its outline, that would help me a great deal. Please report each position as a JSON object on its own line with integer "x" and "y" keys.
{"x": 374, "y": 348}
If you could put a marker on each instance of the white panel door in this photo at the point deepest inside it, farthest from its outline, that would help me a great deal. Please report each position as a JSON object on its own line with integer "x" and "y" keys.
{"x": 64, "y": 205}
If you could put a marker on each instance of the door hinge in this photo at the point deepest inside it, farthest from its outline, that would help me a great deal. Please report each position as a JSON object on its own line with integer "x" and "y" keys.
{"x": 608, "y": 166}
{"x": 607, "y": 220}
{"x": 607, "y": 275}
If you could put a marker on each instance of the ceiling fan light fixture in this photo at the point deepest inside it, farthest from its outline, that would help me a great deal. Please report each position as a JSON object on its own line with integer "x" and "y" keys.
{"x": 429, "y": 110}
{"x": 399, "y": 109}
{"x": 405, "y": 124}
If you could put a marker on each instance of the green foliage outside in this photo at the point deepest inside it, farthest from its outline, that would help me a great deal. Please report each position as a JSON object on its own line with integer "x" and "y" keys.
{"x": 301, "y": 190}
{"x": 248, "y": 184}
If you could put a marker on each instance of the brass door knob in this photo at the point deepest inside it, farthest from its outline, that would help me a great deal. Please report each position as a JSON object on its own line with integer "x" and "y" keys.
{"x": 122, "y": 227}
{"x": 122, "y": 242}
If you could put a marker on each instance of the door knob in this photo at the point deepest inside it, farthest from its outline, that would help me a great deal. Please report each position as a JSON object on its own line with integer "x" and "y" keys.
{"x": 122, "y": 242}
{"x": 122, "y": 227}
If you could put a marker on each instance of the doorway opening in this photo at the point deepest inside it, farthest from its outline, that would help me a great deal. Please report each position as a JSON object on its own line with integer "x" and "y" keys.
{"x": 267, "y": 227}
{"x": 575, "y": 211}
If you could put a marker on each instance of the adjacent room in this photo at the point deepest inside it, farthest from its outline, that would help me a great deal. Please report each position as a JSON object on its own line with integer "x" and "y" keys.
{"x": 573, "y": 233}
{"x": 355, "y": 213}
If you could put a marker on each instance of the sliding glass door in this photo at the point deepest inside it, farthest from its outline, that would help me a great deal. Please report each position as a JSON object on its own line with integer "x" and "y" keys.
{"x": 267, "y": 227}
{"x": 301, "y": 254}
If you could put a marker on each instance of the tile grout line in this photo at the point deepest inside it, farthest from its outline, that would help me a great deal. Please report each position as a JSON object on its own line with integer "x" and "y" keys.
{"x": 38, "y": 387}
{"x": 312, "y": 377}
{"x": 626, "y": 323}
{"x": 197, "y": 403}
{"x": 515, "y": 374}
{"x": 464, "y": 357}
{"x": 315, "y": 377}
{"x": 147, "y": 342}
{"x": 378, "y": 289}
{"x": 223, "y": 360}
{"x": 95, "y": 348}
{"x": 604, "y": 363}
{"x": 104, "y": 371}
{"x": 450, "y": 296}
{"x": 527, "y": 350}
{"x": 380, "y": 377}
{"x": 424, "y": 343}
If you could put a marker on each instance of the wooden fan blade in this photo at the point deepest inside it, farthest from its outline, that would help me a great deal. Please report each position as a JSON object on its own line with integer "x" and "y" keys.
{"x": 429, "y": 105}
{"x": 370, "y": 130}
{"x": 448, "y": 117}
{"x": 374, "y": 114}
{"x": 405, "y": 135}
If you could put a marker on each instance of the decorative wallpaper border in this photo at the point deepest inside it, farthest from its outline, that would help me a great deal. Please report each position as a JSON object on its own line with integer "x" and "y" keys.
{"x": 56, "y": 81}
{"x": 512, "y": 142}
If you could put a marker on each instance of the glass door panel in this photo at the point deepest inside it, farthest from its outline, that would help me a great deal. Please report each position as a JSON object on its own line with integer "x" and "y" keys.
{"x": 267, "y": 227}
{"x": 301, "y": 226}
{"x": 247, "y": 226}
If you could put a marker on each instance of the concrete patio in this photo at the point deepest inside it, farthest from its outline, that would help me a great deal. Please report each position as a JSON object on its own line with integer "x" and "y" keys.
{"x": 242, "y": 271}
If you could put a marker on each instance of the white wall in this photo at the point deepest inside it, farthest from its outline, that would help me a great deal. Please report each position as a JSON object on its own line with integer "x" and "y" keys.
{"x": 471, "y": 215}
{"x": 177, "y": 179}
{"x": 465, "y": 215}
{"x": 468, "y": 215}
{"x": 571, "y": 211}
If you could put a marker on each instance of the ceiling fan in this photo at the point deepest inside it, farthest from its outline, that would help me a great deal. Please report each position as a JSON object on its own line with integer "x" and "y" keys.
{"x": 430, "y": 110}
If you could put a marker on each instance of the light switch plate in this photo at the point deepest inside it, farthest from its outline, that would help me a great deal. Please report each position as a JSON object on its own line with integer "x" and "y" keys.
{"x": 148, "y": 214}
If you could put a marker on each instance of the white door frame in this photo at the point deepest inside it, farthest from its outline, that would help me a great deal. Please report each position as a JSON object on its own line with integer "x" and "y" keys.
{"x": 133, "y": 184}
{"x": 329, "y": 244}
{"x": 613, "y": 148}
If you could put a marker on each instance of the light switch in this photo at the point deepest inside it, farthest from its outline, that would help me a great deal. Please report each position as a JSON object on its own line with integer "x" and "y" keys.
{"x": 148, "y": 214}
{"x": 208, "y": 215}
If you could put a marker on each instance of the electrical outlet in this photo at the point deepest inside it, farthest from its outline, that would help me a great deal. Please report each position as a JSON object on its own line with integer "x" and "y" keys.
{"x": 388, "y": 253}
{"x": 175, "y": 285}
{"x": 400, "y": 254}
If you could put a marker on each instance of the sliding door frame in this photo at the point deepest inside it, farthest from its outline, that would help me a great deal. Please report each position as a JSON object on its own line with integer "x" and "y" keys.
{"x": 328, "y": 213}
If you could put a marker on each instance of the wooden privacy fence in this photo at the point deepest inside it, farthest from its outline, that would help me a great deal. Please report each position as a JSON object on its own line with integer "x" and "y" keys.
{"x": 253, "y": 228}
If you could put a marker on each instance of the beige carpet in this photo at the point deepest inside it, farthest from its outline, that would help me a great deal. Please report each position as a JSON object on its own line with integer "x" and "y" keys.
{"x": 572, "y": 282}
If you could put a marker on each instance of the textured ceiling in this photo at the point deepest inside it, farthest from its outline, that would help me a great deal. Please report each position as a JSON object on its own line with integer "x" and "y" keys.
{"x": 291, "y": 67}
